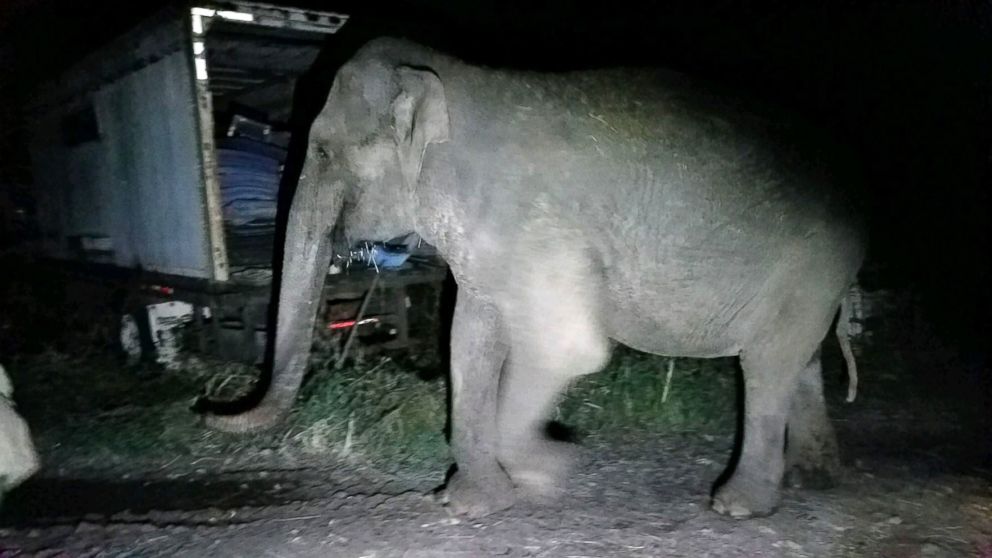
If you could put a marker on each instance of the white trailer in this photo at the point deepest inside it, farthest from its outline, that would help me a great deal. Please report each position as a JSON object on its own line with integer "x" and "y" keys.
{"x": 127, "y": 158}
{"x": 123, "y": 145}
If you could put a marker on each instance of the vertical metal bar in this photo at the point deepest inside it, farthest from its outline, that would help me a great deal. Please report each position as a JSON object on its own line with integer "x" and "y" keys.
{"x": 249, "y": 318}
{"x": 200, "y": 326}
{"x": 198, "y": 25}
{"x": 402, "y": 340}
{"x": 354, "y": 330}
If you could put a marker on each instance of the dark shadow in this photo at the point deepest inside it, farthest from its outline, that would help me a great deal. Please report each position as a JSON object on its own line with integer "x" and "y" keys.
{"x": 449, "y": 295}
{"x": 562, "y": 432}
{"x": 46, "y": 501}
{"x": 735, "y": 455}
{"x": 452, "y": 469}
{"x": 923, "y": 450}
{"x": 446, "y": 308}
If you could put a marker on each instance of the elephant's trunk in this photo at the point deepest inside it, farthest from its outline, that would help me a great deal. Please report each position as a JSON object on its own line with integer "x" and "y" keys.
{"x": 305, "y": 262}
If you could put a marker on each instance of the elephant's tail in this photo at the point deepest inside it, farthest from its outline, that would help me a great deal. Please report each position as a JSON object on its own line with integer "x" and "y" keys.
{"x": 844, "y": 339}
{"x": 257, "y": 419}
{"x": 259, "y": 410}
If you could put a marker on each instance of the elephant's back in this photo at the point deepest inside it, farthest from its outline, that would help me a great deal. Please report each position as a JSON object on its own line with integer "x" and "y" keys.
{"x": 678, "y": 189}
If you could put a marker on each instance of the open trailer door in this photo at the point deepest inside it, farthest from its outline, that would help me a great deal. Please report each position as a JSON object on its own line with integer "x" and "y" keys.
{"x": 247, "y": 59}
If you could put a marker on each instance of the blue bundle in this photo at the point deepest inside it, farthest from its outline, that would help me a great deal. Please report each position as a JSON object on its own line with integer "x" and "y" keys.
{"x": 249, "y": 172}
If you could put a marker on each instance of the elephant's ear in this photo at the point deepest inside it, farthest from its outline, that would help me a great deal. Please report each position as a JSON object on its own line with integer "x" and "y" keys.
{"x": 420, "y": 118}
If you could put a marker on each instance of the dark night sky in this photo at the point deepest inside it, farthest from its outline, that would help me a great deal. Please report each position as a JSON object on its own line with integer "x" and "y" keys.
{"x": 907, "y": 84}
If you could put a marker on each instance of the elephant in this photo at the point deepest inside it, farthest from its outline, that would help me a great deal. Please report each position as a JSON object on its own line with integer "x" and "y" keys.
{"x": 577, "y": 210}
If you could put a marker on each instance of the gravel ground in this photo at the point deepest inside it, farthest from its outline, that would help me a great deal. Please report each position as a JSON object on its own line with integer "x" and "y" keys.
{"x": 913, "y": 486}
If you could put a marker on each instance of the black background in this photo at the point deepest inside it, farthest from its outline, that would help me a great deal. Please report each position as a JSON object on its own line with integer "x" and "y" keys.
{"x": 906, "y": 84}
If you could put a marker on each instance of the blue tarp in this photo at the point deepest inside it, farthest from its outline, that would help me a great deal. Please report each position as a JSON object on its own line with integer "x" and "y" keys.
{"x": 249, "y": 173}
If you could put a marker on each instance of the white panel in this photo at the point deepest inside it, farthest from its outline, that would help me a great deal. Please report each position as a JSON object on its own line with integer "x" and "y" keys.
{"x": 153, "y": 169}
{"x": 140, "y": 184}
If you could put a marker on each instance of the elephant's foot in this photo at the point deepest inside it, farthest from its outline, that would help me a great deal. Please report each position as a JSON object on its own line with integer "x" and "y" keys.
{"x": 743, "y": 497}
{"x": 816, "y": 467}
{"x": 540, "y": 469}
{"x": 815, "y": 479}
{"x": 478, "y": 497}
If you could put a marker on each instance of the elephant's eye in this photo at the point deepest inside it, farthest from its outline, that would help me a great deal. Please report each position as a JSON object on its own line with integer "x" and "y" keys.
{"x": 323, "y": 153}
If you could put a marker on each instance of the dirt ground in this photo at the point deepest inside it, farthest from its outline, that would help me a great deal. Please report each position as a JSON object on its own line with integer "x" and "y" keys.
{"x": 916, "y": 484}
{"x": 915, "y": 447}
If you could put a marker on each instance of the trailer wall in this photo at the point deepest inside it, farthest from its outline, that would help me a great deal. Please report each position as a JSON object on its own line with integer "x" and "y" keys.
{"x": 116, "y": 156}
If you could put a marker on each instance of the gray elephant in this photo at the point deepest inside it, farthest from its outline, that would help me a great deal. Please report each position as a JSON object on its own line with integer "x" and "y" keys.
{"x": 576, "y": 210}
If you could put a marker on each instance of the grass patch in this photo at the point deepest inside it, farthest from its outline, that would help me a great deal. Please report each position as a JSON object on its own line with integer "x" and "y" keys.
{"x": 387, "y": 414}
{"x": 93, "y": 409}
{"x": 383, "y": 413}
{"x": 629, "y": 395}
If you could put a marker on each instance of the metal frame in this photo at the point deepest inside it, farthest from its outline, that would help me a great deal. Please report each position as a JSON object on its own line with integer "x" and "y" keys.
{"x": 208, "y": 154}
{"x": 268, "y": 15}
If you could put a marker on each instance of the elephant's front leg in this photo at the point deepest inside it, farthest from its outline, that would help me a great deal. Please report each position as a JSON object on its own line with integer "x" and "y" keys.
{"x": 478, "y": 349}
{"x": 555, "y": 336}
{"x": 537, "y": 464}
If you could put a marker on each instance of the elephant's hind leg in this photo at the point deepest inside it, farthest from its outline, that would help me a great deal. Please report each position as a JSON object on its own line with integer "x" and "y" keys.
{"x": 753, "y": 488}
{"x": 811, "y": 456}
{"x": 781, "y": 358}
{"x": 478, "y": 350}
{"x": 775, "y": 367}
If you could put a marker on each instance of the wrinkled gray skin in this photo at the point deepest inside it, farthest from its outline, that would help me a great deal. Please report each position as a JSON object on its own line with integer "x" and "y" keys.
{"x": 576, "y": 210}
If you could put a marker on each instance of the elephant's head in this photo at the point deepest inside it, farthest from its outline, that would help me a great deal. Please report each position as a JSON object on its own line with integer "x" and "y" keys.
{"x": 362, "y": 167}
